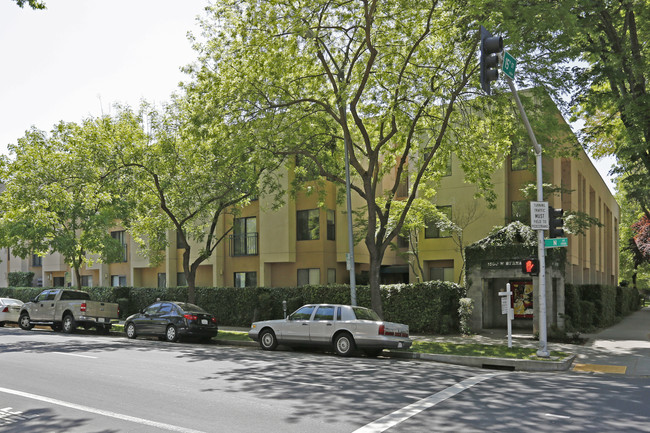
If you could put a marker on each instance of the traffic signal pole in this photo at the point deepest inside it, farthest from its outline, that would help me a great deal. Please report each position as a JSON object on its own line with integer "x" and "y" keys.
{"x": 541, "y": 251}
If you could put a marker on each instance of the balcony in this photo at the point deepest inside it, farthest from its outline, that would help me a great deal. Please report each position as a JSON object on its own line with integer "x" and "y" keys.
{"x": 243, "y": 245}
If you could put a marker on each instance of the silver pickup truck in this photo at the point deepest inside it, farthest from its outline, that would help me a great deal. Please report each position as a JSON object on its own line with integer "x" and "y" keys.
{"x": 64, "y": 310}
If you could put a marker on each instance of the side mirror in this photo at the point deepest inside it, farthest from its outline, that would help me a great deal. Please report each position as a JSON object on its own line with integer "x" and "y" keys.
{"x": 33, "y": 300}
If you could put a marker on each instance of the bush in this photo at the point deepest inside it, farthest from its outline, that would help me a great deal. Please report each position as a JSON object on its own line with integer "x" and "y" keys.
{"x": 21, "y": 279}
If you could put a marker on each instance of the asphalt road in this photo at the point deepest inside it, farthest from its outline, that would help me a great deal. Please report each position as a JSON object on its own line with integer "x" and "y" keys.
{"x": 50, "y": 382}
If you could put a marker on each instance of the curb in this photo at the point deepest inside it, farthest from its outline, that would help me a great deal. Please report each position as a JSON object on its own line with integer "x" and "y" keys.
{"x": 487, "y": 362}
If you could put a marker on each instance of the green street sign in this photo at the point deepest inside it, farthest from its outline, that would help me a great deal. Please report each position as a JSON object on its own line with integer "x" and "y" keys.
{"x": 509, "y": 65}
{"x": 556, "y": 242}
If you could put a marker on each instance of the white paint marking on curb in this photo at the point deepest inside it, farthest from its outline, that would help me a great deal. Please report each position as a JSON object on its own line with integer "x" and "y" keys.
{"x": 102, "y": 412}
{"x": 391, "y": 420}
{"x": 74, "y": 354}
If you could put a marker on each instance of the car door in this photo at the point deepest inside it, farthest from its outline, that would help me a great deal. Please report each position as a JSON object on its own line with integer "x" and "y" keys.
{"x": 144, "y": 323}
{"x": 321, "y": 327}
{"x": 160, "y": 319}
{"x": 43, "y": 307}
{"x": 296, "y": 327}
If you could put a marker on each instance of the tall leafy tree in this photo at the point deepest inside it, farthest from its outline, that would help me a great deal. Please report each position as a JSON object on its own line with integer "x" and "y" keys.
{"x": 34, "y": 4}
{"x": 55, "y": 201}
{"x": 393, "y": 82}
{"x": 598, "y": 52}
{"x": 182, "y": 178}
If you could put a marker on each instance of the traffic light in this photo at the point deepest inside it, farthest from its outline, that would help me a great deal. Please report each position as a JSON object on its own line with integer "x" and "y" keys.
{"x": 490, "y": 46}
{"x": 555, "y": 223}
{"x": 530, "y": 266}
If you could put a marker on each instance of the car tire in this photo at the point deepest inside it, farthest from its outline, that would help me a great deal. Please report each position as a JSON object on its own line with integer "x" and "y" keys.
{"x": 103, "y": 329}
{"x": 171, "y": 334}
{"x": 2, "y": 324}
{"x": 68, "y": 325}
{"x": 24, "y": 322}
{"x": 56, "y": 327}
{"x": 129, "y": 329}
{"x": 344, "y": 344}
{"x": 268, "y": 340}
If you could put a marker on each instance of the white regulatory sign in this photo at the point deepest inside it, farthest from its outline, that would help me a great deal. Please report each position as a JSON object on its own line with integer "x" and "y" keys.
{"x": 539, "y": 215}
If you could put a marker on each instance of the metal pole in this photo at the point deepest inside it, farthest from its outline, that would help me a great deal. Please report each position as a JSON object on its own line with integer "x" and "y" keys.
{"x": 543, "y": 347}
{"x": 350, "y": 259}
{"x": 509, "y": 315}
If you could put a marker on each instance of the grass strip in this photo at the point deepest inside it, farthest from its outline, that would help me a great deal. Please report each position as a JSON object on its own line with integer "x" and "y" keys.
{"x": 472, "y": 349}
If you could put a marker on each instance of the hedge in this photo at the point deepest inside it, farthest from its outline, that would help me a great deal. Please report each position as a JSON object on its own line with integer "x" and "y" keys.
{"x": 428, "y": 307}
{"x": 595, "y": 306}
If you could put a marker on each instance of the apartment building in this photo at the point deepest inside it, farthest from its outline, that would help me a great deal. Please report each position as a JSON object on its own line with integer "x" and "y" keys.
{"x": 304, "y": 243}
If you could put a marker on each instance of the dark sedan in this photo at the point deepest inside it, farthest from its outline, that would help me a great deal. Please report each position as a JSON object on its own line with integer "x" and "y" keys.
{"x": 171, "y": 321}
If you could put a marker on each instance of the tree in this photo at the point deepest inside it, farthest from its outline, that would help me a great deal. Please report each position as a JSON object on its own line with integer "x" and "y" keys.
{"x": 34, "y": 4}
{"x": 178, "y": 180}
{"x": 393, "y": 82}
{"x": 597, "y": 51}
{"x": 55, "y": 201}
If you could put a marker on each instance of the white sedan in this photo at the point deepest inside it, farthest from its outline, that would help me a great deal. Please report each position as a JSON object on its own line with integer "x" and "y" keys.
{"x": 9, "y": 310}
{"x": 341, "y": 327}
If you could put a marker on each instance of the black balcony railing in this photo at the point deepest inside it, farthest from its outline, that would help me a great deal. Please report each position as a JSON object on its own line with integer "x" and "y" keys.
{"x": 243, "y": 245}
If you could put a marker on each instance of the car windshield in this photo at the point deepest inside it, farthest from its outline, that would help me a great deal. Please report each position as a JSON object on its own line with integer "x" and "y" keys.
{"x": 365, "y": 314}
{"x": 187, "y": 307}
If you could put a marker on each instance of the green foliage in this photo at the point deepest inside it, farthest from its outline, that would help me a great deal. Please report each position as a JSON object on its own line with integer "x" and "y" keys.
{"x": 595, "y": 306}
{"x": 465, "y": 313}
{"x": 24, "y": 294}
{"x": 20, "y": 279}
{"x": 34, "y": 4}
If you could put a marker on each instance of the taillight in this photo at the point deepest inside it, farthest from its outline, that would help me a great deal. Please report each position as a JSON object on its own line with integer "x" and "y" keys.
{"x": 6, "y": 310}
{"x": 190, "y": 317}
{"x": 214, "y": 320}
{"x": 83, "y": 307}
{"x": 381, "y": 329}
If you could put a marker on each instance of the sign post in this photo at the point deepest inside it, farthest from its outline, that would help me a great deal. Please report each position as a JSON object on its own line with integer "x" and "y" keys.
{"x": 506, "y": 302}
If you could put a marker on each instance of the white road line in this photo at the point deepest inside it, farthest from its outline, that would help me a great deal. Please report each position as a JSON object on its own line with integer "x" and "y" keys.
{"x": 552, "y": 415}
{"x": 391, "y": 420}
{"x": 102, "y": 412}
{"x": 75, "y": 354}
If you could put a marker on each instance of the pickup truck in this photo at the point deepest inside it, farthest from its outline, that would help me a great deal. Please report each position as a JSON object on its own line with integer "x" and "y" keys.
{"x": 64, "y": 310}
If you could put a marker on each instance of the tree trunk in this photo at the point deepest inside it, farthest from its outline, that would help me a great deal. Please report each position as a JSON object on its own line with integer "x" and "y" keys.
{"x": 190, "y": 276}
{"x": 375, "y": 292}
{"x": 77, "y": 275}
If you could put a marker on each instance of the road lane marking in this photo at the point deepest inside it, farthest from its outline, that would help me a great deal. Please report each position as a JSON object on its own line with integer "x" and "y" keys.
{"x": 392, "y": 419}
{"x": 102, "y": 412}
{"x": 75, "y": 354}
{"x": 595, "y": 368}
{"x": 552, "y": 415}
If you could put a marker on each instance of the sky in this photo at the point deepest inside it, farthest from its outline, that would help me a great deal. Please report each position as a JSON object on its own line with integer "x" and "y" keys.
{"x": 79, "y": 57}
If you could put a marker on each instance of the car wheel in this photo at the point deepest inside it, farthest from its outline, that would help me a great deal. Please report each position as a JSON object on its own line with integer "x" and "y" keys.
{"x": 102, "y": 329}
{"x": 171, "y": 334}
{"x": 344, "y": 344}
{"x": 56, "y": 327}
{"x": 2, "y": 324}
{"x": 130, "y": 330}
{"x": 268, "y": 341}
{"x": 24, "y": 322}
{"x": 69, "y": 325}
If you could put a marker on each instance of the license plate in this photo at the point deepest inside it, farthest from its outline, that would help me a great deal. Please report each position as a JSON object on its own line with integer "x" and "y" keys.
{"x": 204, "y": 321}
{"x": 102, "y": 319}
{"x": 400, "y": 345}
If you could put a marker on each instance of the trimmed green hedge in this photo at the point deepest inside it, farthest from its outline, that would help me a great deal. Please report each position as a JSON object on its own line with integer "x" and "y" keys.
{"x": 594, "y": 306}
{"x": 430, "y": 307}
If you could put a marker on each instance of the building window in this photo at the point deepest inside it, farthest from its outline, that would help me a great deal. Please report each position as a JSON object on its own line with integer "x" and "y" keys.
{"x": 331, "y": 225}
{"x": 441, "y": 270}
{"x": 120, "y": 236}
{"x": 86, "y": 280}
{"x": 243, "y": 241}
{"x": 118, "y": 280}
{"x": 245, "y": 279}
{"x": 180, "y": 243}
{"x": 519, "y": 156}
{"x": 308, "y": 225}
{"x": 432, "y": 230}
{"x": 37, "y": 260}
{"x": 162, "y": 280}
{"x": 520, "y": 211}
{"x": 308, "y": 276}
{"x": 180, "y": 279}
{"x": 58, "y": 281}
{"x": 331, "y": 276}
